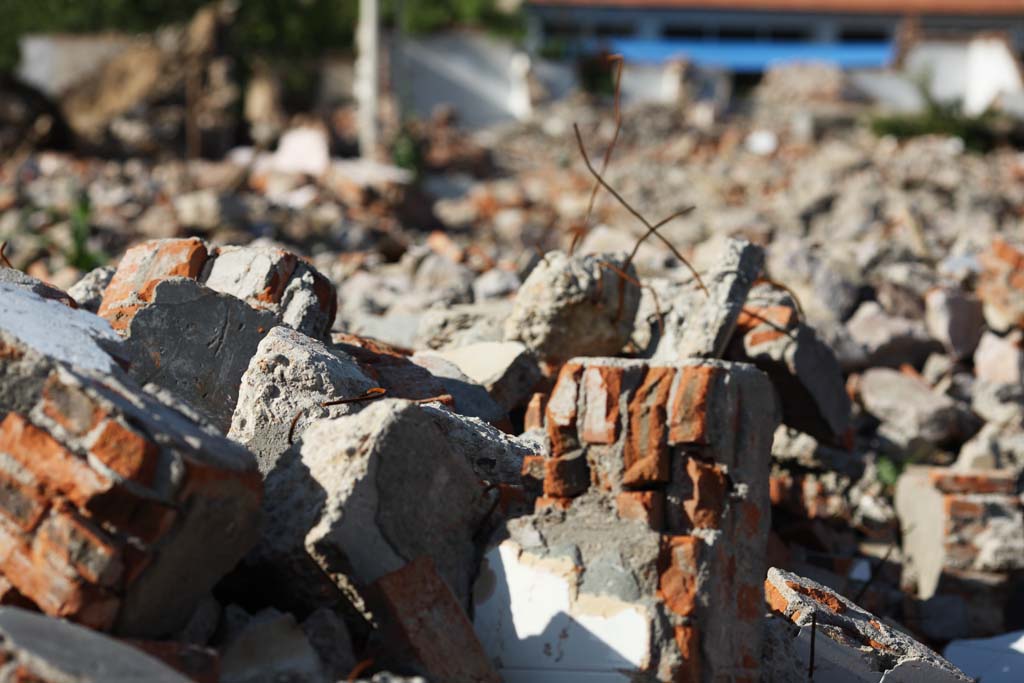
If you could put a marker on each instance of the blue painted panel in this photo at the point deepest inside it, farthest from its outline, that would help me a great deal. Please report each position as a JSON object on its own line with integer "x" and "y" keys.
{"x": 749, "y": 56}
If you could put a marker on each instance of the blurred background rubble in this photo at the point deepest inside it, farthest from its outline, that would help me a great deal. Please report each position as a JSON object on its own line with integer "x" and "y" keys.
{"x": 421, "y": 155}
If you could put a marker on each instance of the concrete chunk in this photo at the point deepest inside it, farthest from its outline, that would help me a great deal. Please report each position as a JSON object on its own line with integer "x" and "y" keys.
{"x": 364, "y": 494}
{"x": 803, "y": 369}
{"x": 888, "y": 340}
{"x": 955, "y": 319}
{"x": 909, "y": 408}
{"x": 570, "y": 306}
{"x": 88, "y": 292}
{"x": 706, "y": 330}
{"x": 287, "y": 379}
{"x": 197, "y": 343}
{"x": 44, "y": 650}
{"x": 852, "y": 645}
{"x": 507, "y": 370}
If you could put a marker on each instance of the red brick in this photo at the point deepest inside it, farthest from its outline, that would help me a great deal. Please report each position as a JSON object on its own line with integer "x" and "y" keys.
{"x": 146, "y": 264}
{"x": 646, "y": 455}
{"x": 824, "y": 598}
{"x": 534, "y": 418}
{"x": 66, "y": 539}
{"x": 57, "y": 468}
{"x": 426, "y": 615}
{"x": 707, "y": 503}
{"x": 561, "y": 409}
{"x": 565, "y": 476}
{"x": 602, "y": 386}
{"x": 645, "y": 506}
{"x": 688, "y": 421}
{"x": 127, "y": 452}
{"x": 677, "y": 582}
{"x": 992, "y": 481}
{"x": 781, "y": 318}
{"x": 58, "y": 590}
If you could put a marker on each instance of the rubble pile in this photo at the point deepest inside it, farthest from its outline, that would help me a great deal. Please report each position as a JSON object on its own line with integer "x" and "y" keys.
{"x": 286, "y": 416}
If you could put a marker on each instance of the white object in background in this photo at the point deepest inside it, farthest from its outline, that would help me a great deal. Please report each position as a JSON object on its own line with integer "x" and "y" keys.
{"x": 365, "y": 88}
{"x": 535, "y": 626}
{"x": 992, "y": 70}
{"x": 992, "y": 660}
{"x": 519, "y": 91}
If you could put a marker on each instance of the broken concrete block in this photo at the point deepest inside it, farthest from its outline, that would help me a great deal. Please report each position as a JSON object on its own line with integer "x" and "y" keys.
{"x": 574, "y": 306}
{"x": 32, "y": 329}
{"x": 888, "y": 340}
{"x": 496, "y": 457}
{"x": 852, "y": 645}
{"x": 284, "y": 385}
{"x": 908, "y": 408}
{"x": 269, "y": 648}
{"x": 195, "y": 342}
{"x": 270, "y": 278}
{"x": 364, "y": 494}
{"x": 496, "y": 283}
{"x": 119, "y": 511}
{"x": 803, "y": 369}
{"x": 659, "y": 552}
{"x": 426, "y": 618}
{"x": 40, "y": 649}
{"x": 267, "y": 278}
{"x": 14, "y": 277}
{"x": 1000, "y": 360}
{"x": 507, "y": 370}
{"x": 392, "y": 369}
{"x": 962, "y": 527}
{"x": 706, "y": 329}
{"x": 88, "y": 292}
{"x": 999, "y": 286}
{"x": 468, "y": 396}
{"x": 955, "y": 319}
{"x": 462, "y": 324}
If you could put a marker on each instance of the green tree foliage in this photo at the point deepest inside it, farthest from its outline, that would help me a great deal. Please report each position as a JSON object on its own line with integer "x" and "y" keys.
{"x": 286, "y": 29}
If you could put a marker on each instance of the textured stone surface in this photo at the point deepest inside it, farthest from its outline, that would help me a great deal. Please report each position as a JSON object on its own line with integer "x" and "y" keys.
{"x": 197, "y": 343}
{"x": 364, "y": 494}
{"x": 706, "y": 329}
{"x": 571, "y": 306}
{"x": 852, "y": 645}
{"x": 39, "y": 649}
{"x": 462, "y": 324}
{"x": 88, "y": 292}
{"x": 908, "y": 407}
{"x": 281, "y": 392}
{"x": 507, "y": 370}
{"x": 803, "y": 369}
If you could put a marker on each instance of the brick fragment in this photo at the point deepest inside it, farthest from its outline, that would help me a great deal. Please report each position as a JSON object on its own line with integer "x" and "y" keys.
{"x": 429, "y": 619}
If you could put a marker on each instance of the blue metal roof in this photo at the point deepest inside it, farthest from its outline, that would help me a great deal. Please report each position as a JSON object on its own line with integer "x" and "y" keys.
{"x": 751, "y": 56}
